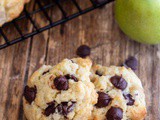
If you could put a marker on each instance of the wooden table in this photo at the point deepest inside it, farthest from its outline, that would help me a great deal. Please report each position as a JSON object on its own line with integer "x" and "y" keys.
{"x": 97, "y": 29}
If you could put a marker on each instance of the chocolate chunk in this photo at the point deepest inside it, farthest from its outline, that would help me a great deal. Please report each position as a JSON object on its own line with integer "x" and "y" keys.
{"x": 71, "y": 77}
{"x": 50, "y": 109}
{"x": 131, "y": 62}
{"x": 72, "y": 61}
{"x": 83, "y": 51}
{"x": 118, "y": 82}
{"x": 50, "y": 103}
{"x": 129, "y": 98}
{"x": 103, "y": 100}
{"x": 71, "y": 107}
{"x": 61, "y": 83}
{"x": 114, "y": 113}
{"x": 45, "y": 72}
{"x": 64, "y": 109}
{"x": 59, "y": 108}
{"x": 98, "y": 73}
{"x": 30, "y": 93}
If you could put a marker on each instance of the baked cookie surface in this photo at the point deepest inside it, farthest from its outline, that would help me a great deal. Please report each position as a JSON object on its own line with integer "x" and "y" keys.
{"x": 10, "y": 9}
{"x": 120, "y": 94}
{"x": 61, "y": 92}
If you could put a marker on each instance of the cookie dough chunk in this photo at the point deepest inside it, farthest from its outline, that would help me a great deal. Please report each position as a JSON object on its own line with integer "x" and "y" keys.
{"x": 10, "y": 9}
{"x": 61, "y": 92}
{"x": 120, "y": 94}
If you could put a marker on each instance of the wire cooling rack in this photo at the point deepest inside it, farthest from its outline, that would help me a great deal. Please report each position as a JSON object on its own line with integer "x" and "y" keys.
{"x": 43, "y": 8}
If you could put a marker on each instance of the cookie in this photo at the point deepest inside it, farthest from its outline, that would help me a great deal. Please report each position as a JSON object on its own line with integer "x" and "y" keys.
{"x": 10, "y": 9}
{"x": 61, "y": 92}
{"x": 120, "y": 94}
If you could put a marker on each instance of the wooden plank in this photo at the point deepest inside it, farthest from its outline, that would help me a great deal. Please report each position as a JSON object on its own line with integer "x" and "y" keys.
{"x": 13, "y": 69}
{"x": 5, "y": 67}
{"x": 11, "y": 85}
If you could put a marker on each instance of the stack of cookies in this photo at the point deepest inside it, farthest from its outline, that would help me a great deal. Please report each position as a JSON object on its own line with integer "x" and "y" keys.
{"x": 76, "y": 90}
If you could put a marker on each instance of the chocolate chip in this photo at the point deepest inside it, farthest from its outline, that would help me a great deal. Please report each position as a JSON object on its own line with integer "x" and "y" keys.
{"x": 71, "y": 107}
{"x": 72, "y": 61}
{"x": 131, "y": 62}
{"x": 61, "y": 83}
{"x": 118, "y": 82}
{"x": 50, "y": 103}
{"x": 64, "y": 109}
{"x": 30, "y": 93}
{"x": 50, "y": 109}
{"x": 130, "y": 100}
{"x": 103, "y": 100}
{"x": 60, "y": 108}
{"x": 71, "y": 77}
{"x": 98, "y": 73}
{"x": 83, "y": 51}
{"x": 114, "y": 113}
{"x": 45, "y": 72}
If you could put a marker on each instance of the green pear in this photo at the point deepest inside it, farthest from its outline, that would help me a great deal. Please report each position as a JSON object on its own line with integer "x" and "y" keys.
{"x": 139, "y": 19}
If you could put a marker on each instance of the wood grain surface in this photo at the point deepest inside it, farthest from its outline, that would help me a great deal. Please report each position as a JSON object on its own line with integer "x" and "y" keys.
{"x": 97, "y": 29}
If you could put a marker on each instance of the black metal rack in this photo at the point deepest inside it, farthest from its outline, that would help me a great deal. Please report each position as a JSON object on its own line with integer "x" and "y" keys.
{"x": 42, "y": 8}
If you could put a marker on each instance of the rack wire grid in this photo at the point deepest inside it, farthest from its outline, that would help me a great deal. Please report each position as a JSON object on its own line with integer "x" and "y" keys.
{"x": 43, "y": 8}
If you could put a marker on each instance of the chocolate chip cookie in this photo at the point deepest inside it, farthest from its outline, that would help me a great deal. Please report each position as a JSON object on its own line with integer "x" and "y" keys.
{"x": 61, "y": 92}
{"x": 10, "y": 9}
{"x": 120, "y": 94}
